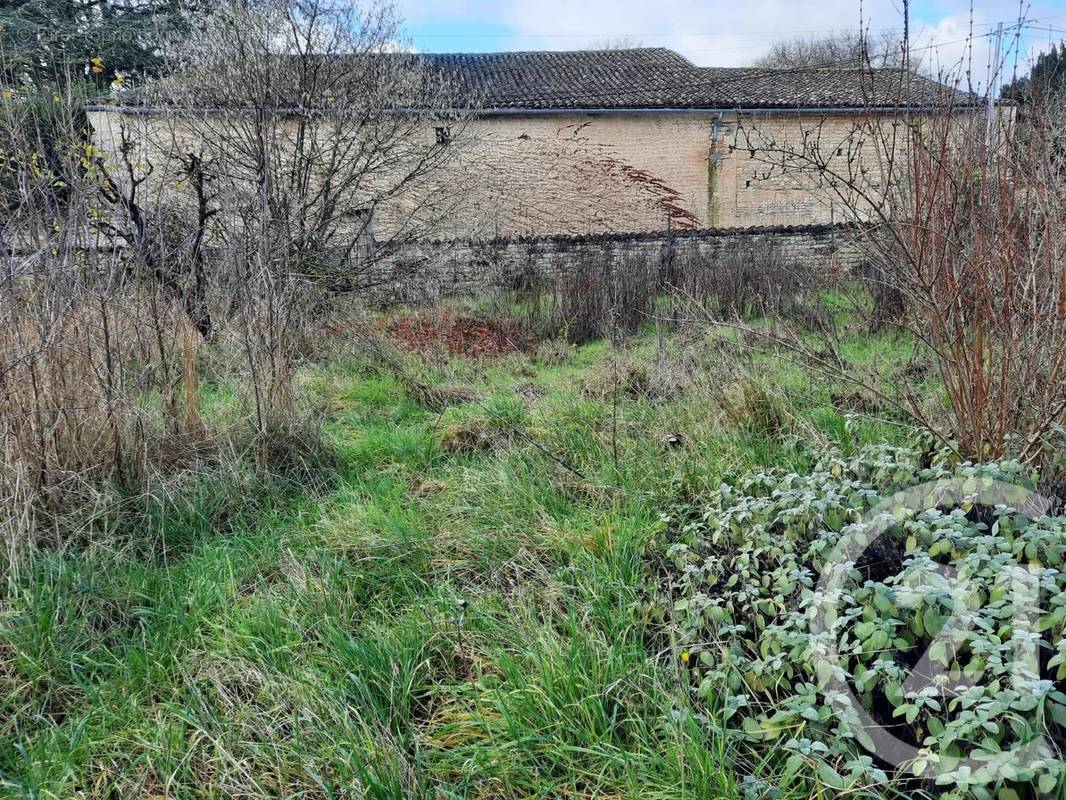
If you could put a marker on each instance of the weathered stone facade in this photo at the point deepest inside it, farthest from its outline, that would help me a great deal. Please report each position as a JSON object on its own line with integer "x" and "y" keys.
{"x": 576, "y": 173}
{"x": 549, "y": 142}
{"x": 580, "y": 173}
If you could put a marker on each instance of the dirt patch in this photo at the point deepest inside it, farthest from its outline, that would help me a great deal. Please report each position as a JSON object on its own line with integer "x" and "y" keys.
{"x": 468, "y": 336}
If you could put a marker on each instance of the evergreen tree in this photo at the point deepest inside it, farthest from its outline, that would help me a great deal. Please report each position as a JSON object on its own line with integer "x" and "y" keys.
{"x": 48, "y": 42}
{"x": 1046, "y": 78}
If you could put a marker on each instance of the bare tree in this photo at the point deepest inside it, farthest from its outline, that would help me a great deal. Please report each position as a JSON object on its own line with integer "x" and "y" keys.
{"x": 962, "y": 216}
{"x": 294, "y": 147}
{"x": 624, "y": 42}
{"x": 841, "y": 49}
{"x": 292, "y": 150}
{"x": 305, "y": 111}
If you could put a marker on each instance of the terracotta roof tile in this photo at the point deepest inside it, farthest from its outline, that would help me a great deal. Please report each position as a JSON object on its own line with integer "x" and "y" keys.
{"x": 649, "y": 78}
{"x": 639, "y": 78}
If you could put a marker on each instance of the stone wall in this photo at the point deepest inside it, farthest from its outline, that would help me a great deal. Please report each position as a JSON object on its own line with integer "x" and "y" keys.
{"x": 427, "y": 271}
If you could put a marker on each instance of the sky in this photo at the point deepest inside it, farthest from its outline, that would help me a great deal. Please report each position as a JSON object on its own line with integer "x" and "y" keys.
{"x": 733, "y": 33}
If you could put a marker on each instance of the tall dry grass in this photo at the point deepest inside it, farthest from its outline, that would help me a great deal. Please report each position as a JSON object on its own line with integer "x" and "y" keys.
{"x": 95, "y": 381}
{"x": 101, "y": 339}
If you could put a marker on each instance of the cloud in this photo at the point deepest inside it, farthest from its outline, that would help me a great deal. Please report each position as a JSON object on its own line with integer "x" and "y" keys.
{"x": 718, "y": 35}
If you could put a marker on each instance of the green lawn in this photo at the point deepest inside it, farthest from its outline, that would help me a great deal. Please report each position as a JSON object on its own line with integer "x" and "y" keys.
{"x": 464, "y": 612}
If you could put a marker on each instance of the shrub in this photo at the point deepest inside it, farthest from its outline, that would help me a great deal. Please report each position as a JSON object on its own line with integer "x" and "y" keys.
{"x": 601, "y": 296}
{"x": 748, "y": 609}
{"x": 962, "y": 226}
{"x": 750, "y": 281}
{"x": 611, "y": 294}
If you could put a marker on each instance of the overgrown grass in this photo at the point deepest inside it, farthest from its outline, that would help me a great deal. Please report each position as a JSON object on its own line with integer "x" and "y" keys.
{"x": 445, "y": 622}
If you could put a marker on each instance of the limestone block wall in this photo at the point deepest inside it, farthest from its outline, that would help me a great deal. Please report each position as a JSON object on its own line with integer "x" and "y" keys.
{"x": 582, "y": 173}
{"x": 578, "y": 173}
{"x": 606, "y": 172}
{"x": 499, "y": 175}
{"x": 759, "y": 183}
{"x": 428, "y": 271}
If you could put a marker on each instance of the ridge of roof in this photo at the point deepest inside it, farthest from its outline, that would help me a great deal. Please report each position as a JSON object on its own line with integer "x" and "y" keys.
{"x": 583, "y": 51}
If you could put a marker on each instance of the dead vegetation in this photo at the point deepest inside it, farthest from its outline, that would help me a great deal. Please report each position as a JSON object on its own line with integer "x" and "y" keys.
{"x": 963, "y": 221}
{"x": 475, "y": 434}
{"x": 461, "y": 335}
{"x": 127, "y": 276}
{"x": 627, "y": 375}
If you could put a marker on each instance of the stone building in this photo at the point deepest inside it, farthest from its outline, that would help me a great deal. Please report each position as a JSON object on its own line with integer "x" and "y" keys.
{"x": 639, "y": 139}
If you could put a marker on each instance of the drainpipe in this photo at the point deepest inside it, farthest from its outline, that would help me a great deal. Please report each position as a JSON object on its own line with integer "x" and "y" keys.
{"x": 714, "y": 158}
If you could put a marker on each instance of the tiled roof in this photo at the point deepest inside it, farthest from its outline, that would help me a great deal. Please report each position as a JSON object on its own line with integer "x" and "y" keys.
{"x": 649, "y": 78}
{"x": 639, "y": 78}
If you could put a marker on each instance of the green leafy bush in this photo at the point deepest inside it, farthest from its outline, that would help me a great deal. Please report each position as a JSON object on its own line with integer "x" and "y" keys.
{"x": 749, "y": 610}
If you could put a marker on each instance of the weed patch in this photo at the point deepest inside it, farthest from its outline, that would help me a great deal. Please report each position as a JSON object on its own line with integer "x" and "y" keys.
{"x": 929, "y": 655}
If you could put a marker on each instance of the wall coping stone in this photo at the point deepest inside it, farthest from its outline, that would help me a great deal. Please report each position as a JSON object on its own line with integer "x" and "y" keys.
{"x": 638, "y": 236}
